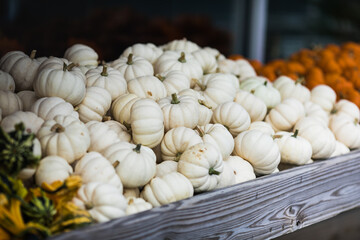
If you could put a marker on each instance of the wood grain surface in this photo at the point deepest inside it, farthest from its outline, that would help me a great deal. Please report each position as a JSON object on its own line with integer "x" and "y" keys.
{"x": 263, "y": 208}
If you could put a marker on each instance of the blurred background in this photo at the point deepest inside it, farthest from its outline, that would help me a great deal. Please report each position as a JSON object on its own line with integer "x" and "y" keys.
{"x": 257, "y": 29}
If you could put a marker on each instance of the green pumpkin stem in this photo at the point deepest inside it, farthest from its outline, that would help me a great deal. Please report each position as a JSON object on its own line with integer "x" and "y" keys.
{"x": 356, "y": 121}
{"x": 161, "y": 78}
{"x": 68, "y": 67}
{"x": 174, "y": 99}
{"x": 295, "y": 133}
{"x": 104, "y": 71}
{"x": 200, "y": 131}
{"x": 106, "y": 118}
{"x": 130, "y": 59}
{"x": 202, "y": 102}
{"x": 137, "y": 148}
{"x": 33, "y": 54}
{"x": 212, "y": 171}
{"x": 88, "y": 206}
{"x": 300, "y": 80}
{"x": 177, "y": 156}
{"x": 127, "y": 125}
{"x": 265, "y": 83}
{"x": 57, "y": 128}
{"x": 182, "y": 58}
{"x": 115, "y": 164}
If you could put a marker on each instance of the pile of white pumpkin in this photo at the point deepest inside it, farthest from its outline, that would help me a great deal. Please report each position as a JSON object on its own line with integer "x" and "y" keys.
{"x": 161, "y": 123}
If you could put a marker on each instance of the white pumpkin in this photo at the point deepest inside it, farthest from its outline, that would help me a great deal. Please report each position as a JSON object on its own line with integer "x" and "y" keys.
{"x": 289, "y": 88}
{"x": 293, "y": 148}
{"x": 95, "y": 104}
{"x": 241, "y": 168}
{"x": 120, "y": 129}
{"x": 179, "y": 111}
{"x": 51, "y": 169}
{"x": 21, "y": 67}
{"x": 9, "y": 103}
{"x": 55, "y": 62}
{"x": 284, "y": 116}
{"x": 262, "y": 126}
{"x": 103, "y": 201}
{"x": 147, "y": 122}
{"x": 169, "y": 188}
{"x": 181, "y": 45}
{"x": 7, "y": 82}
{"x": 31, "y": 121}
{"x": 227, "y": 177}
{"x": 324, "y": 96}
{"x": 217, "y": 135}
{"x": 49, "y": 107}
{"x": 207, "y": 61}
{"x": 346, "y": 130}
{"x": 252, "y": 104}
{"x": 174, "y": 81}
{"x": 120, "y": 108}
{"x": 147, "y": 87}
{"x": 217, "y": 88}
{"x": 259, "y": 149}
{"x": 64, "y": 136}
{"x": 176, "y": 141}
{"x": 94, "y": 167}
{"x": 82, "y": 54}
{"x": 101, "y": 136}
{"x": 316, "y": 111}
{"x": 133, "y": 66}
{"x": 28, "y": 99}
{"x": 243, "y": 70}
{"x": 233, "y": 116}
{"x": 202, "y": 164}
{"x": 136, "y": 205}
{"x": 346, "y": 107}
{"x": 185, "y": 62}
{"x": 146, "y": 50}
{"x": 166, "y": 167}
{"x": 134, "y": 164}
{"x": 214, "y": 52}
{"x": 320, "y": 137}
{"x": 106, "y": 77}
{"x": 227, "y": 66}
{"x": 340, "y": 149}
{"x": 263, "y": 89}
{"x": 66, "y": 82}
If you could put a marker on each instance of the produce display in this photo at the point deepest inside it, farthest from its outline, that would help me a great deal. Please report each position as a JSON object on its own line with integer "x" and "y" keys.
{"x": 84, "y": 141}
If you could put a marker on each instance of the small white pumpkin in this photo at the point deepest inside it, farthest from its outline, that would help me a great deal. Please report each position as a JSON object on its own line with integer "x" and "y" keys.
{"x": 147, "y": 87}
{"x": 324, "y": 96}
{"x": 284, "y": 116}
{"x": 293, "y": 148}
{"x": 233, "y": 116}
{"x": 82, "y": 54}
{"x": 176, "y": 141}
{"x": 94, "y": 167}
{"x": 259, "y": 149}
{"x": 106, "y": 77}
{"x": 347, "y": 107}
{"x": 101, "y": 136}
{"x": 262, "y": 126}
{"x": 207, "y": 61}
{"x": 289, "y": 88}
{"x": 120, "y": 129}
{"x": 49, "y": 107}
{"x": 167, "y": 189}
{"x": 64, "y": 136}
{"x": 95, "y": 104}
{"x": 9, "y": 103}
{"x": 121, "y": 106}
{"x": 146, "y": 50}
{"x": 147, "y": 122}
{"x": 134, "y": 164}
{"x": 133, "y": 66}
{"x": 217, "y": 135}
{"x": 241, "y": 168}
{"x": 31, "y": 121}
{"x": 174, "y": 81}
{"x": 179, "y": 111}
{"x": 28, "y": 99}
{"x": 252, "y": 104}
{"x": 51, "y": 169}
{"x": 243, "y": 70}
{"x": 136, "y": 205}
{"x": 346, "y": 130}
{"x": 166, "y": 167}
{"x": 227, "y": 177}
{"x": 340, "y": 149}
{"x": 202, "y": 164}
{"x": 7, "y": 82}
{"x": 103, "y": 201}
{"x": 181, "y": 45}
{"x": 316, "y": 111}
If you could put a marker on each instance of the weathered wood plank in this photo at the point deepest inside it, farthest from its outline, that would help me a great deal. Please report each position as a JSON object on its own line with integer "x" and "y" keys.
{"x": 266, "y": 207}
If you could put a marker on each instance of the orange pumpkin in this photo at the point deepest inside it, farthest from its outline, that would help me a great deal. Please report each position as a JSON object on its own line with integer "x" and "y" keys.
{"x": 314, "y": 77}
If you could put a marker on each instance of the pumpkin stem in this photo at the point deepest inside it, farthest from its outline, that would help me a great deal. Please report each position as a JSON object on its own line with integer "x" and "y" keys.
{"x": 265, "y": 83}
{"x": 300, "y": 80}
{"x": 182, "y": 58}
{"x": 130, "y": 59}
{"x": 295, "y": 133}
{"x": 127, "y": 125}
{"x": 200, "y": 131}
{"x": 202, "y": 102}
{"x": 32, "y": 54}
{"x": 106, "y": 118}
{"x": 333, "y": 111}
{"x": 57, "y": 128}
{"x": 175, "y": 99}
{"x": 104, "y": 71}
{"x": 201, "y": 86}
{"x": 177, "y": 156}
{"x": 277, "y": 136}
{"x": 68, "y": 67}
{"x": 212, "y": 171}
{"x": 88, "y": 206}
{"x": 252, "y": 91}
{"x": 161, "y": 78}
{"x": 217, "y": 70}
{"x": 356, "y": 121}
{"x": 115, "y": 164}
{"x": 137, "y": 148}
